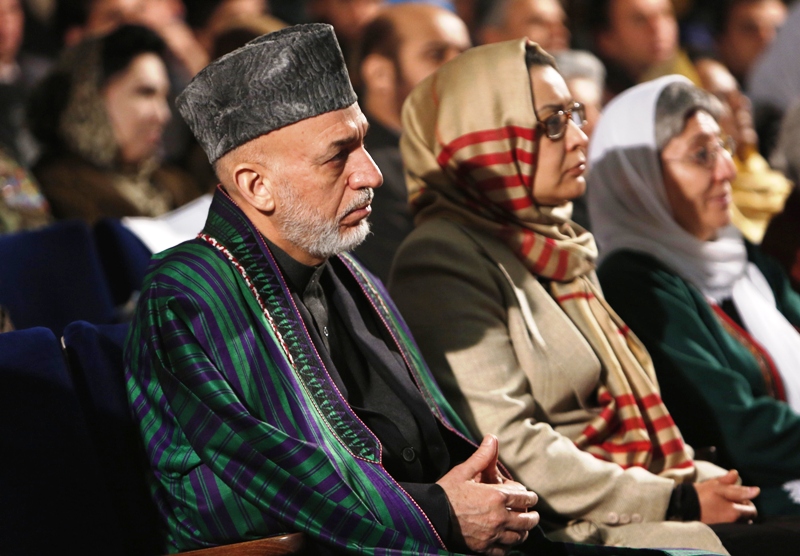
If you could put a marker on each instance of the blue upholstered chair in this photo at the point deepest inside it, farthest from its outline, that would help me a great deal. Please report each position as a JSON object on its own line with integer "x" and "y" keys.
{"x": 50, "y": 498}
{"x": 95, "y": 355}
{"x": 51, "y": 277}
{"x": 124, "y": 258}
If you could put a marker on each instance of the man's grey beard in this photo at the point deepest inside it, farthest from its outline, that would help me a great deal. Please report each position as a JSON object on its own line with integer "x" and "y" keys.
{"x": 308, "y": 229}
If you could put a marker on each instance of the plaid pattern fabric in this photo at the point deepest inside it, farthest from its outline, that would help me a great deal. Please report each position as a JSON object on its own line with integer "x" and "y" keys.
{"x": 470, "y": 150}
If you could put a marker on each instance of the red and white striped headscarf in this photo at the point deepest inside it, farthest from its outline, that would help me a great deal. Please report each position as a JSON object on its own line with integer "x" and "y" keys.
{"x": 470, "y": 146}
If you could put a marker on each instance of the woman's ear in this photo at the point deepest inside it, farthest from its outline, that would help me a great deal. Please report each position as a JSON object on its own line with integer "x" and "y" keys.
{"x": 254, "y": 184}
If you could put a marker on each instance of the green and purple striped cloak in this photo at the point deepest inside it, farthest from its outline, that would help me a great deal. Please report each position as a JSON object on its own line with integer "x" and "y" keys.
{"x": 244, "y": 428}
{"x": 245, "y": 431}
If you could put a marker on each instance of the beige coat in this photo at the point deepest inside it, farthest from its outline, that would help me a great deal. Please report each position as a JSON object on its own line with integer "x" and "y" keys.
{"x": 512, "y": 364}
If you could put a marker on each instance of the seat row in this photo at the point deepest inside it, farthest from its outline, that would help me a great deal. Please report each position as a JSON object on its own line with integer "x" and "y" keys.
{"x": 73, "y": 469}
{"x": 68, "y": 272}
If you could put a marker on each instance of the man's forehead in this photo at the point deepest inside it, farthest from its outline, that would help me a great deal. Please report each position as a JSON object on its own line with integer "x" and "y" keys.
{"x": 328, "y": 125}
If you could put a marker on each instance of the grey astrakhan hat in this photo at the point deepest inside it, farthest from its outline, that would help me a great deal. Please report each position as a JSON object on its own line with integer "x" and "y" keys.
{"x": 272, "y": 81}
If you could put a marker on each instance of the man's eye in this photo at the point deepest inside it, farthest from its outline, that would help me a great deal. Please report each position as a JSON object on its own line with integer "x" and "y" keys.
{"x": 437, "y": 55}
{"x": 340, "y": 156}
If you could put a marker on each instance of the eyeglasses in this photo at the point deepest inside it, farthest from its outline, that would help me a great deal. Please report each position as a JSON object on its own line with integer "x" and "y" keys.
{"x": 555, "y": 125}
{"x": 706, "y": 155}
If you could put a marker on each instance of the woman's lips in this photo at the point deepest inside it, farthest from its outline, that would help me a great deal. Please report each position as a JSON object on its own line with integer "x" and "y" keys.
{"x": 578, "y": 169}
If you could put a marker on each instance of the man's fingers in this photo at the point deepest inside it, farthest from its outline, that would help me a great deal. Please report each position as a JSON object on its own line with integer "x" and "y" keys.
{"x": 512, "y": 538}
{"x": 521, "y": 500}
{"x": 521, "y": 522}
{"x": 485, "y": 457}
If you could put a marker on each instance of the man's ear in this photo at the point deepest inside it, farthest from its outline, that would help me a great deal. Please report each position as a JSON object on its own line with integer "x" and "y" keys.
{"x": 254, "y": 184}
{"x": 378, "y": 74}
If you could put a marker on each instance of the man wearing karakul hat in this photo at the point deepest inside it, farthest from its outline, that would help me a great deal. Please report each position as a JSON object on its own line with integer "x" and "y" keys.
{"x": 276, "y": 387}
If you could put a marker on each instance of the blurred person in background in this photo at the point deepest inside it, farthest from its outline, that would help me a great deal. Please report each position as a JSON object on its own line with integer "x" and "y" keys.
{"x": 782, "y": 240}
{"x": 348, "y": 17}
{"x": 637, "y": 40}
{"x": 758, "y": 191}
{"x": 100, "y": 116}
{"x": 542, "y": 21}
{"x": 401, "y": 47}
{"x": 210, "y": 18}
{"x": 585, "y": 76}
{"x": 22, "y": 205}
{"x": 745, "y": 29}
{"x": 773, "y": 84}
{"x": 18, "y": 74}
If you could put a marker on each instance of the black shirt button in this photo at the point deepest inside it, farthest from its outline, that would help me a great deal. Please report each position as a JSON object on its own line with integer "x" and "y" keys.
{"x": 409, "y": 454}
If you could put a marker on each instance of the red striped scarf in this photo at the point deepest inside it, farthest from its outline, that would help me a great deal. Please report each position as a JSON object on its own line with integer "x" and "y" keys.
{"x": 470, "y": 150}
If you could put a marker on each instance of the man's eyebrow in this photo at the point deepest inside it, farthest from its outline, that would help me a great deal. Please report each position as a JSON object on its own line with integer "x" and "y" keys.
{"x": 348, "y": 140}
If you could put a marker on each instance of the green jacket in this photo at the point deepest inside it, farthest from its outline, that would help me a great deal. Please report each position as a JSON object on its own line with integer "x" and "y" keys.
{"x": 712, "y": 384}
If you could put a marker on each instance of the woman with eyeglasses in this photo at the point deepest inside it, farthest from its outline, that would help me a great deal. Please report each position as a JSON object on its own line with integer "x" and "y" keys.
{"x": 719, "y": 318}
{"x": 498, "y": 287}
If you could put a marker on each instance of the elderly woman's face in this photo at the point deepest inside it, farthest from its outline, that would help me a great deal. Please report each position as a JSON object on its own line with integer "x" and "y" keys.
{"x": 136, "y": 102}
{"x": 561, "y": 162}
{"x": 697, "y": 177}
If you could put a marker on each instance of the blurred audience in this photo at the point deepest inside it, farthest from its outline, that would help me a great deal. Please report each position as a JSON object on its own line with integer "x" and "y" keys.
{"x": 402, "y": 46}
{"x": 782, "y": 239}
{"x": 542, "y": 21}
{"x": 100, "y": 116}
{"x": 585, "y": 76}
{"x": 758, "y": 191}
{"x": 348, "y": 17}
{"x": 745, "y": 29}
{"x": 774, "y": 81}
{"x": 637, "y": 40}
{"x": 22, "y": 205}
{"x": 211, "y": 18}
{"x": 79, "y": 19}
{"x": 18, "y": 73}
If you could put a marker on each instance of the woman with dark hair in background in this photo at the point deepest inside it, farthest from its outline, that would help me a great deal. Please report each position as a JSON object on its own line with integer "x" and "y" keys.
{"x": 100, "y": 116}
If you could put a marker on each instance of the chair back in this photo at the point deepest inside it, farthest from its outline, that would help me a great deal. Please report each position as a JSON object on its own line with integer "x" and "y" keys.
{"x": 52, "y": 276}
{"x": 51, "y": 499}
{"x": 95, "y": 355}
{"x": 124, "y": 258}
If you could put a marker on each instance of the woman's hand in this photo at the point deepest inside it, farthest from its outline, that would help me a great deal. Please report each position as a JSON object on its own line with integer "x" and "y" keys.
{"x": 723, "y": 501}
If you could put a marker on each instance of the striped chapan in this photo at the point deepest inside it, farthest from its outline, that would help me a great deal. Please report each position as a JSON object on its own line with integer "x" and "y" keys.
{"x": 470, "y": 150}
{"x": 245, "y": 431}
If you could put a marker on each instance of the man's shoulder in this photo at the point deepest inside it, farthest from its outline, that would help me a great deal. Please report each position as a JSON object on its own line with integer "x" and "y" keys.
{"x": 193, "y": 266}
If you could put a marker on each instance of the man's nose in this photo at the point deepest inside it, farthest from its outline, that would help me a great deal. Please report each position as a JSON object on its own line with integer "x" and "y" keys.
{"x": 365, "y": 172}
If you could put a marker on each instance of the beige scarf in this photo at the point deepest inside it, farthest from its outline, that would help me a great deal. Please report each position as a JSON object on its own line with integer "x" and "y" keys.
{"x": 470, "y": 149}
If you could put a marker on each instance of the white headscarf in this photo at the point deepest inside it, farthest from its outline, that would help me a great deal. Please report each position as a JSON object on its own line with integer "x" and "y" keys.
{"x": 628, "y": 208}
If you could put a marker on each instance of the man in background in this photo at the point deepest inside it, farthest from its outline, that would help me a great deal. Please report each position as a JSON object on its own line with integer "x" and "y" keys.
{"x": 542, "y": 21}
{"x": 401, "y": 47}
